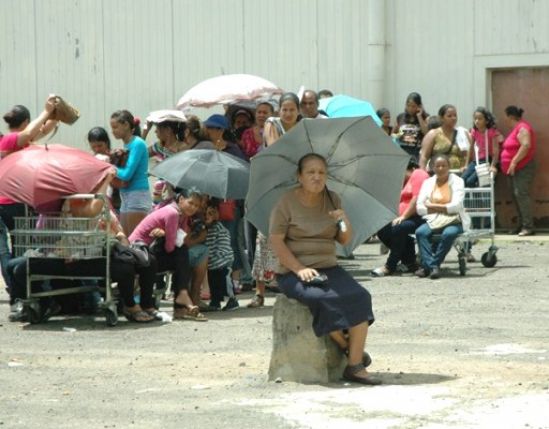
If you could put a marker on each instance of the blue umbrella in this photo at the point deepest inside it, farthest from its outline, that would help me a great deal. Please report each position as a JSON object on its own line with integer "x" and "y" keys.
{"x": 343, "y": 106}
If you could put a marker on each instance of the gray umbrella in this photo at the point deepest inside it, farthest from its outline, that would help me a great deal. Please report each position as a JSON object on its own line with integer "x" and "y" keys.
{"x": 364, "y": 167}
{"x": 215, "y": 173}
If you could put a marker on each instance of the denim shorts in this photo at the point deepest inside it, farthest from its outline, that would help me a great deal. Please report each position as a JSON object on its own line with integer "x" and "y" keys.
{"x": 135, "y": 201}
{"x": 197, "y": 254}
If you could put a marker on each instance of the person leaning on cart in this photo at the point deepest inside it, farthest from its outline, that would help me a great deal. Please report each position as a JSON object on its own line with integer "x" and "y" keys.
{"x": 165, "y": 232}
{"x": 121, "y": 271}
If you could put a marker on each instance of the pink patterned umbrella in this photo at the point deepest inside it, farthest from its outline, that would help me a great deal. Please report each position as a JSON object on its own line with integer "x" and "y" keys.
{"x": 226, "y": 89}
{"x": 39, "y": 176}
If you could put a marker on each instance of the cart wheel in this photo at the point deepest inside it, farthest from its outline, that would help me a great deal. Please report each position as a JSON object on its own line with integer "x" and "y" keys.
{"x": 489, "y": 259}
{"x": 34, "y": 313}
{"x": 111, "y": 317}
{"x": 462, "y": 260}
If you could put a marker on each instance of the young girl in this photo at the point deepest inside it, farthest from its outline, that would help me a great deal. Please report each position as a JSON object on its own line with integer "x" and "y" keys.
{"x": 220, "y": 260}
{"x": 484, "y": 134}
{"x": 136, "y": 197}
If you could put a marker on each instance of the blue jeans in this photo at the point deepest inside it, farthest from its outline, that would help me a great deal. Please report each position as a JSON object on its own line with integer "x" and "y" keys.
{"x": 5, "y": 253}
{"x": 432, "y": 255}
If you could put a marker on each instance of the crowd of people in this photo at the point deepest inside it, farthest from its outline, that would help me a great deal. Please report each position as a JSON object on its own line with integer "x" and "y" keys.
{"x": 203, "y": 240}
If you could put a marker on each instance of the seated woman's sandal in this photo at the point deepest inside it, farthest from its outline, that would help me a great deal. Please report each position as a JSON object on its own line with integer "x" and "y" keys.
{"x": 350, "y": 374}
{"x": 188, "y": 312}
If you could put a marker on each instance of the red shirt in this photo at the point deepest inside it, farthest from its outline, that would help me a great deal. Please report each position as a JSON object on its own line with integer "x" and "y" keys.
{"x": 8, "y": 144}
{"x": 411, "y": 189}
{"x": 511, "y": 145}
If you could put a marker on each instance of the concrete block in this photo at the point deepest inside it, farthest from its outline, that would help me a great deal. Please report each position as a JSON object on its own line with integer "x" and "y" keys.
{"x": 298, "y": 355}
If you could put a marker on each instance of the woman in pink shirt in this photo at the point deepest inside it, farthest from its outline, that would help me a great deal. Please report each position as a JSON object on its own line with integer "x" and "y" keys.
{"x": 22, "y": 131}
{"x": 518, "y": 163}
{"x": 396, "y": 235}
{"x": 167, "y": 227}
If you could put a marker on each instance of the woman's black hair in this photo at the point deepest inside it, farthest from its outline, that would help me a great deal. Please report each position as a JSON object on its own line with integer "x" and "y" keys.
{"x": 99, "y": 134}
{"x": 325, "y": 93}
{"x": 178, "y": 128}
{"x": 16, "y": 116}
{"x": 490, "y": 119}
{"x": 514, "y": 111}
{"x": 382, "y": 111}
{"x": 444, "y": 108}
{"x": 188, "y": 193}
{"x": 195, "y": 127}
{"x": 415, "y": 97}
{"x": 266, "y": 103}
{"x": 289, "y": 96}
{"x": 124, "y": 116}
{"x": 308, "y": 156}
{"x": 439, "y": 156}
{"x": 412, "y": 164}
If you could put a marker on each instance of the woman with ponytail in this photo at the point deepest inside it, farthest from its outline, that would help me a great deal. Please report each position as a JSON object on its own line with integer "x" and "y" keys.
{"x": 136, "y": 197}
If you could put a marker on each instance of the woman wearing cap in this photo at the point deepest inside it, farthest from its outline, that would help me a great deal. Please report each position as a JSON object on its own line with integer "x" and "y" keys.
{"x": 217, "y": 130}
{"x": 136, "y": 197}
{"x": 22, "y": 132}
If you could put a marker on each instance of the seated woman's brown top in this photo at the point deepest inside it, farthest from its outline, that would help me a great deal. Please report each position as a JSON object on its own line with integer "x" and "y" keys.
{"x": 309, "y": 231}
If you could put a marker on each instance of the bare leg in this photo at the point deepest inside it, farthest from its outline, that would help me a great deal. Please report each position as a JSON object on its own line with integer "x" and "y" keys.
{"x": 183, "y": 298}
{"x": 357, "y": 341}
{"x": 199, "y": 272}
{"x": 130, "y": 220}
{"x": 339, "y": 338}
{"x": 260, "y": 287}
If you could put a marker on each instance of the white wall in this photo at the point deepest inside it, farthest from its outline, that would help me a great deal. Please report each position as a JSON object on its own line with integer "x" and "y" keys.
{"x": 143, "y": 55}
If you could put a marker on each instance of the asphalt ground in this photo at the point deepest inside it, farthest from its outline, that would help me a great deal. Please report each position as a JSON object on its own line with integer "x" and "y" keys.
{"x": 458, "y": 352}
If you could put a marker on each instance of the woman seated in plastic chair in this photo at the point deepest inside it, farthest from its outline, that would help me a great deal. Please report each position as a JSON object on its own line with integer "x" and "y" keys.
{"x": 440, "y": 202}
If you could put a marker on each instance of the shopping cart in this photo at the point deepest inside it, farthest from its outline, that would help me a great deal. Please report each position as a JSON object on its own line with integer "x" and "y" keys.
{"x": 479, "y": 204}
{"x": 49, "y": 241}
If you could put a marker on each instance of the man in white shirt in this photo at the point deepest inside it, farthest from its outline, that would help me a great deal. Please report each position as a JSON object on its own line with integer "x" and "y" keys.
{"x": 309, "y": 105}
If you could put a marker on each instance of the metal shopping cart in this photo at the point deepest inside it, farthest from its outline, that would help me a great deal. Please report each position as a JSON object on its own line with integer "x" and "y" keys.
{"x": 52, "y": 242}
{"x": 479, "y": 204}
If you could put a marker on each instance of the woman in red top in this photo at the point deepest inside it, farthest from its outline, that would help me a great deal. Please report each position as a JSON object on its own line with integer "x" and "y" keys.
{"x": 253, "y": 137}
{"x": 396, "y": 235}
{"x": 517, "y": 162}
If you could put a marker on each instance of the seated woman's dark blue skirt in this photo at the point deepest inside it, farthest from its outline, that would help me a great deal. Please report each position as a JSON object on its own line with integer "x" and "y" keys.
{"x": 340, "y": 304}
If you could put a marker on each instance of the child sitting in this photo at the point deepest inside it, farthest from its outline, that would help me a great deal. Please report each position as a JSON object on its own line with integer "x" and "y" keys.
{"x": 220, "y": 259}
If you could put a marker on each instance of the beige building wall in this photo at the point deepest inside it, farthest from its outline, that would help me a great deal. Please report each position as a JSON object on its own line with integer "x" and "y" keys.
{"x": 143, "y": 55}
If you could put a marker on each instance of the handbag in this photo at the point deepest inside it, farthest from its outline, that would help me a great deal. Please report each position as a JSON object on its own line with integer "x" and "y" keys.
{"x": 226, "y": 210}
{"x": 482, "y": 170}
{"x": 441, "y": 220}
{"x": 64, "y": 111}
{"x": 137, "y": 253}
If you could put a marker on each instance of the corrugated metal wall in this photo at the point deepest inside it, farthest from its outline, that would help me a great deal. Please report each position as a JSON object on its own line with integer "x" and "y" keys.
{"x": 143, "y": 54}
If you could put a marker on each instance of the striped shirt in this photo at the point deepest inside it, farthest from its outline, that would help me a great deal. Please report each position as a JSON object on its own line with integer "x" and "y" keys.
{"x": 220, "y": 252}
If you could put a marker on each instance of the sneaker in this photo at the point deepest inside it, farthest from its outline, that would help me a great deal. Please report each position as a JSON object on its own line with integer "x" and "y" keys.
{"x": 215, "y": 306}
{"x": 256, "y": 302}
{"x": 232, "y": 304}
{"x": 204, "y": 308}
{"x": 526, "y": 232}
{"x": 19, "y": 315}
{"x": 421, "y": 273}
{"x": 380, "y": 272}
{"x": 435, "y": 273}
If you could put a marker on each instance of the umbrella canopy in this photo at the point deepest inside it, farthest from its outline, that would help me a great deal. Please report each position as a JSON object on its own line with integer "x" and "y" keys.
{"x": 215, "y": 173}
{"x": 39, "y": 175}
{"x": 228, "y": 88}
{"x": 343, "y": 106}
{"x": 166, "y": 115}
{"x": 364, "y": 169}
